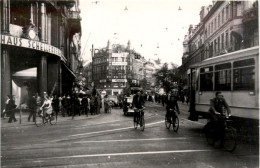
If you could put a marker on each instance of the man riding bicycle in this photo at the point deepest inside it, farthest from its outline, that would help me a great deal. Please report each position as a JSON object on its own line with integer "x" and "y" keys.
{"x": 171, "y": 103}
{"x": 138, "y": 103}
{"x": 219, "y": 109}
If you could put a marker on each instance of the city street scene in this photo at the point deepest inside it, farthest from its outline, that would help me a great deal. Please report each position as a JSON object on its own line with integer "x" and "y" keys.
{"x": 129, "y": 84}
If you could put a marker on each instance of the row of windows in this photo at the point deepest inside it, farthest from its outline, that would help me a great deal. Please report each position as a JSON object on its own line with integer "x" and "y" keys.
{"x": 219, "y": 20}
{"x": 242, "y": 73}
{"x": 219, "y": 44}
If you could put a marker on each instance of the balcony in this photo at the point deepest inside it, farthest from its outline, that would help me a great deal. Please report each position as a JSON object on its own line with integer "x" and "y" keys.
{"x": 250, "y": 15}
{"x": 74, "y": 21}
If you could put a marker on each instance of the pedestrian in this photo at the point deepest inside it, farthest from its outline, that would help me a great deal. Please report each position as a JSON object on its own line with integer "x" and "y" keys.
{"x": 55, "y": 104}
{"x": 10, "y": 108}
{"x": 32, "y": 107}
{"x": 84, "y": 103}
{"x": 98, "y": 97}
{"x": 92, "y": 105}
{"x": 38, "y": 103}
{"x": 68, "y": 105}
{"x": 74, "y": 105}
{"x": 63, "y": 106}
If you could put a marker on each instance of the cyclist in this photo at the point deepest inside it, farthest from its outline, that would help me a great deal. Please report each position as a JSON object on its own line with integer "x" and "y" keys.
{"x": 138, "y": 103}
{"x": 171, "y": 103}
{"x": 46, "y": 106}
{"x": 218, "y": 109}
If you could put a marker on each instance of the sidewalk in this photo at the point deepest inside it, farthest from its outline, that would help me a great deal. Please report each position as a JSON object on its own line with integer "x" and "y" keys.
{"x": 23, "y": 120}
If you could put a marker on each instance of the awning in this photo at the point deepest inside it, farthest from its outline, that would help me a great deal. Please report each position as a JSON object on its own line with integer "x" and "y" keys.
{"x": 67, "y": 68}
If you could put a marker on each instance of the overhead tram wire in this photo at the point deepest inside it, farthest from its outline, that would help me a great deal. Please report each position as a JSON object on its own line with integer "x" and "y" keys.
{"x": 85, "y": 45}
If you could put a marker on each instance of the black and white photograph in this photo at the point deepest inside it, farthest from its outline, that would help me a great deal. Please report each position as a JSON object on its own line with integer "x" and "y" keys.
{"x": 129, "y": 83}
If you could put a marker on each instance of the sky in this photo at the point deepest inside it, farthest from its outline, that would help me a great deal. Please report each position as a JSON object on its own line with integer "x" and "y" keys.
{"x": 155, "y": 28}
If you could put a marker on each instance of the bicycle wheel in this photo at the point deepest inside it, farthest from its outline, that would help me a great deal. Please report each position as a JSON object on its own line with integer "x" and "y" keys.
{"x": 135, "y": 123}
{"x": 53, "y": 119}
{"x": 175, "y": 123}
{"x": 210, "y": 136}
{"x": 230, "y": 139}
{"x": 167, "y": 122}
{"x": 39, "y": 120}
{"x": 142, "y": 123}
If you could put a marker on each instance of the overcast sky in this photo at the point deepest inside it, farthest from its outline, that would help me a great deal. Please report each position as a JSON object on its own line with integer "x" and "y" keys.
{"x": 156, "y": 28}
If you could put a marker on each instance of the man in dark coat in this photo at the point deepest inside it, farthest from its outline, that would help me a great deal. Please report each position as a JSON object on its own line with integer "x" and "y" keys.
{"x": 138, "y": 103}
{"x": 10, "y": 109}
{"x": 32, "y": 107}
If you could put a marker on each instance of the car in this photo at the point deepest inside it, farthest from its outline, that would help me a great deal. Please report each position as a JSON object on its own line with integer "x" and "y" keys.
{"x": 128, "y": 109}
{"x": 114, "y": 100}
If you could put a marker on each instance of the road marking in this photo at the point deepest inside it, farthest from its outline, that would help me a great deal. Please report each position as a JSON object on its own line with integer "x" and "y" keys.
{"x": 119, "y": 129}
{"x": 76, "y": 127}
{"x": 129, "y": 140}
{"x": 116, "y": 154}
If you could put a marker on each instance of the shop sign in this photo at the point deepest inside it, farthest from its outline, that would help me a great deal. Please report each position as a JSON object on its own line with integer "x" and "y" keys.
{"x": 26, "y": 43}
{"x": 103, "y": 80}
{"x": 119, "y": 80}
{"x": 123, "y": 54}
{"x": 119, "y": 63}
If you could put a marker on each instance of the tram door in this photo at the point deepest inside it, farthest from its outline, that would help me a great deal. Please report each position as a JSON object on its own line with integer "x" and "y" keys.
{"x": 192, "y": 89}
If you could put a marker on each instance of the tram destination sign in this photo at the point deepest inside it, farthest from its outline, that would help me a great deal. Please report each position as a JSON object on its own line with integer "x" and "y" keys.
{"x": 26, "y": 43}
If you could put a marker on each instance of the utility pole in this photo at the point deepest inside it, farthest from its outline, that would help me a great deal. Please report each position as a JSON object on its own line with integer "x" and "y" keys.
{"x": 92, "y": 56}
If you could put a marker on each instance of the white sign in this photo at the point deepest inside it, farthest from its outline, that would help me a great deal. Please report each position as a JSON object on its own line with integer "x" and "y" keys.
{"x": 119, "y": 63}
{"x": 26, "y": 43}
{"x": 103, "y": 80}
{"x": 124, "y": 54}
{"x": 119, "y": 80}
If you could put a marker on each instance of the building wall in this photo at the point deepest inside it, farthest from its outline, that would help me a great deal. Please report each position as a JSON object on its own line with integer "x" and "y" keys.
{"x": 224, "y": 27}
{"x": 38, "y": 35}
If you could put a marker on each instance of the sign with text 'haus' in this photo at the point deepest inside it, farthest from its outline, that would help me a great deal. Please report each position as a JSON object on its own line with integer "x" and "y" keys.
{"x": 26, "y": 43}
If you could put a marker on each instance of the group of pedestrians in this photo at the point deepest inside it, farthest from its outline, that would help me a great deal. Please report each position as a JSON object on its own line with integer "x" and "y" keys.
{"x": 68, "y": 105}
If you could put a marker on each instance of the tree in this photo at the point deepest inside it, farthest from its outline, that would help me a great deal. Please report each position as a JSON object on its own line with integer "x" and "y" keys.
{"x": 167, "y": 78}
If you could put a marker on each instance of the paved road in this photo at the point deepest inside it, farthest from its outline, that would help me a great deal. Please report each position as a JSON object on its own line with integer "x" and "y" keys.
{"x": 109, "y": 140}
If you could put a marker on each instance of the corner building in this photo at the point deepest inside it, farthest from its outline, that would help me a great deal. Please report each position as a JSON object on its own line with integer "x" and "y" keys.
{"x": 40, "y": 47}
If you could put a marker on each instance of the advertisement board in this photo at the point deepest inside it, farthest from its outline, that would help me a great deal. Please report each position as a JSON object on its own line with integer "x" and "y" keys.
{"x": 119, "y": 80}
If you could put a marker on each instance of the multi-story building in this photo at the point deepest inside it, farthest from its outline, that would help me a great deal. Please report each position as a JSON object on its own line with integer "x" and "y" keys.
{"x": 40, "y": 47}
{"x": 116, "y": 67}
{"x": 225, "y": 26}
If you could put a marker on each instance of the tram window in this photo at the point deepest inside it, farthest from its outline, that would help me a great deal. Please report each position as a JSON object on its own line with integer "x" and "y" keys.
{"x": 244, "y": 75}
{"x": 206, "y": 79}
{"x": 223, "y": 76}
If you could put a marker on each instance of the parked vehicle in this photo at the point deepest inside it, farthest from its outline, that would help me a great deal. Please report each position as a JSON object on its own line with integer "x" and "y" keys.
{"x": 114, "y": 100}
{"x": 128, "y": 107}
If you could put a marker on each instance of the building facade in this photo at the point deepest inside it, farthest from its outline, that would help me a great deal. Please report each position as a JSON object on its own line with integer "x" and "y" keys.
{"x": 225, "y": 26}
{"x": 116, "y": 67}
{"x": 40, "y": 47}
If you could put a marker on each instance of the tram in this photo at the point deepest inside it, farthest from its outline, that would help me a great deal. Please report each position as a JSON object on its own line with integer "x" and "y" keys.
{"x": 235, "y": 74}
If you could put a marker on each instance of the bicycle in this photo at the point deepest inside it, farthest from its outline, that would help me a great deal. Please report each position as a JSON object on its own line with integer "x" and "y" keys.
{"x": 43, "y": 118}
{"x": 229, "y": 138}
{"x": 172, "y": 119}
{"x": 139, "y": 119}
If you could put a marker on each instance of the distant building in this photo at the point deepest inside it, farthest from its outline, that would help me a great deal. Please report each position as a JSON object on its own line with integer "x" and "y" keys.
{"x": 40, "y": 47}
